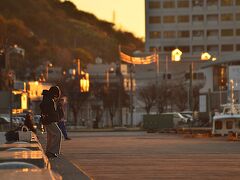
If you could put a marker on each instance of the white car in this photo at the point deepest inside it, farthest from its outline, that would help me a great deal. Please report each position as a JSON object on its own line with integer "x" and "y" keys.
{"x": 177, "y": 117}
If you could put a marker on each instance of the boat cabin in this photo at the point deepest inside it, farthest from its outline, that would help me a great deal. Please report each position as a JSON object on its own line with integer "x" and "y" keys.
{"x": 228, "y": 121}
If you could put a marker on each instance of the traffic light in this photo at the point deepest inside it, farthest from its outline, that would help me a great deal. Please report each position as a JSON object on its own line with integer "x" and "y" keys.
{"x": 2, "y": 60}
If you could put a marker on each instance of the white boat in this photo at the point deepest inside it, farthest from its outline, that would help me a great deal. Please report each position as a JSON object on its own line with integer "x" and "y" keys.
{"x": 229, "y": 120}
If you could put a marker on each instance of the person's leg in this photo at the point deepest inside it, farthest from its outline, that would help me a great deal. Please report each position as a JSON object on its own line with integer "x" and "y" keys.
{"x": 61, "y": 125}
{"x": 55, "y": 137}
{"x": 49, "y": 137}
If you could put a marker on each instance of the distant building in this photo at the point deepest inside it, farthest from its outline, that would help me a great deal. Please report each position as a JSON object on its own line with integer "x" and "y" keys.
{"x": 34, "y": 89}
{"x": 194, "y": 26}
{"x": 106, "y": 75}
{"x": 47, "y": 73}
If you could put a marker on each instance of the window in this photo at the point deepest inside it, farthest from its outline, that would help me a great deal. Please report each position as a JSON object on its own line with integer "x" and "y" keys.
{"x": 185, "y": 49}
{"x": 238, "y": 16}
{"x": 182, "y": 3}
{"x": 227, "y": 17}
{"x": 154, "y": 19}
{"x": 183, "y": 19}
{"x": 154, "y": 4}
{"x": 198, "y": 49}
{"x": 200, "y": 76}
{"x": 229, "y": 124}
{"x": 183, "y": 34}
{"x": 212, "y": 2}
{"x": 212, "y": 17}
{"x": 198, "y": 33}
{"x": 218, "y": 124}
{"x": 197, "y": 3}
{"x": 238, "y": 47}
{"x": 227, "y": 47}
{"x": 212, "y": 48}
{"x": 154, "y": 34}
{"x": 169, "y": 4}
{"x": 212, "y": 33}
{"x": 167, "y": 76}
{"x": 238, "y": 32}
{"x": 226, "y": 2}
{"x": 197, "y": 18}
{"x": 169, "y": 34}
{"x": 227, "y": 32}
{"x": 169, "y": 19}
{"x": 169, "y": 48}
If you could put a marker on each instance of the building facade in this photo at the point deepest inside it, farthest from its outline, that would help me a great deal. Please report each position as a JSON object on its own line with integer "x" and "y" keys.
{"x": 193, "y": 26}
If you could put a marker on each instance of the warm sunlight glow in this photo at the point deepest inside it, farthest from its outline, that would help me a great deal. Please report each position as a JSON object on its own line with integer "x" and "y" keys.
{"x": 127, "y": 15}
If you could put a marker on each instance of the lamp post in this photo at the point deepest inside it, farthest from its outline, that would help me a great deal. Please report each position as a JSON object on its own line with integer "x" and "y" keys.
{"x": 176, "y": 56}
{"x": 158, "y": 58}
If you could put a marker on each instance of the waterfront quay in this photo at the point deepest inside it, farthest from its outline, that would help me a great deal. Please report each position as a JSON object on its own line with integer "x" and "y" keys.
{"x": 140, "y": 155}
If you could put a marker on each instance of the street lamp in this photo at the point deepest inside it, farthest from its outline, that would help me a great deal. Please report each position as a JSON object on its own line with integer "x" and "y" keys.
{"x": 176, "y": 56}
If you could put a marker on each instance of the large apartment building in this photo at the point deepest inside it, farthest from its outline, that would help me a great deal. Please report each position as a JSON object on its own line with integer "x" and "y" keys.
{"x": 193, "y": 26}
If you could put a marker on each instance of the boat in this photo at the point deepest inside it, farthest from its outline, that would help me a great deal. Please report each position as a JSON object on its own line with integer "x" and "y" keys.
{"x": 229, "y": 120}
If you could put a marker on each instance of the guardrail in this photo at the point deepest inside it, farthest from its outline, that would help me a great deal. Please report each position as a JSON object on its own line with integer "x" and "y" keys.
{"x": 21, "y": 160}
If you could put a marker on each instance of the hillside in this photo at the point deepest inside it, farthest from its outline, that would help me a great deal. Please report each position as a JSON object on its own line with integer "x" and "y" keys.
{"x": 59, "y": 32}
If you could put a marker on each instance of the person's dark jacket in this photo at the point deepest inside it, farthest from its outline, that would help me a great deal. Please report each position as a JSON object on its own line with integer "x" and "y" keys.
{"x": 47, "y": 108}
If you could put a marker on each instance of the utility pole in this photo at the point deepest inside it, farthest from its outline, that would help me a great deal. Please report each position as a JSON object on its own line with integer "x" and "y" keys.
{"x": 131, "y": 93}
{"x": 119, "y": 75}
{"x": 190, "y": 94}
{"x": 157, "y": 79}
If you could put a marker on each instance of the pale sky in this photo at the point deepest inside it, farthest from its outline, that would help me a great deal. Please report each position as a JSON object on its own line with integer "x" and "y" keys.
{"x": 129, "y": 14}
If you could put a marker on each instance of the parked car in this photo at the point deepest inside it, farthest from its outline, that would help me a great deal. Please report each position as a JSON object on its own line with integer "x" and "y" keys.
{"x": 188, "y": 116}
{"x": 4, "y": 120}
{"x": 177, "y": 117}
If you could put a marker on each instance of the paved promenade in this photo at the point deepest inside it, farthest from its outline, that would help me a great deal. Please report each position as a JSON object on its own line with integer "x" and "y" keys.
{"x": 138, "y": 155}
{"x": 64, "y": 167}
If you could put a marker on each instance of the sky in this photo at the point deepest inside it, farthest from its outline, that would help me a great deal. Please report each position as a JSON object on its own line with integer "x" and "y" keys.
{"x": 129, "y": 14}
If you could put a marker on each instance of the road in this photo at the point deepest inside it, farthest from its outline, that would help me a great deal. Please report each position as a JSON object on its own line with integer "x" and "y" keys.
{"x": 138, "y": 155}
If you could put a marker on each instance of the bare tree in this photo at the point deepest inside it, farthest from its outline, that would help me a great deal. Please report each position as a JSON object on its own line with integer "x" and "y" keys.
{"x": 76, "y": 98}
{"x": 148, "y": 95}
{"x": 162, "y": 98}
{"x": 180, "y": 96}
{"x": 111, "y": 104}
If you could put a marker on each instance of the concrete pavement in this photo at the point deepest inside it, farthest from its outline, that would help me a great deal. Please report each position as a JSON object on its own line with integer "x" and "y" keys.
{"x": 63, "y": 166}
{"x": 141, "y": 156}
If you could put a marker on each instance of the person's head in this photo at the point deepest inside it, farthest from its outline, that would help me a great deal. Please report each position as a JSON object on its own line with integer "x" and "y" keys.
{"x": 45, "y": 92}
{"x": 28, "y": 118}
{"x": 54, "y": 92}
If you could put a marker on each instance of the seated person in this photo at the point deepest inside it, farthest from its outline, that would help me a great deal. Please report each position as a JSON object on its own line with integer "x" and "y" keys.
{"x": 29, "y": 122}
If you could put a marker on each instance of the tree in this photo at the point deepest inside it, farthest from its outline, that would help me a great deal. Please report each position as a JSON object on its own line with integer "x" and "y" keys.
{"x": 76, "y": 99}
{"x": 111, "y": 104}
{"x": 148, "y": 95}
{"x": 180, "y": 95}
